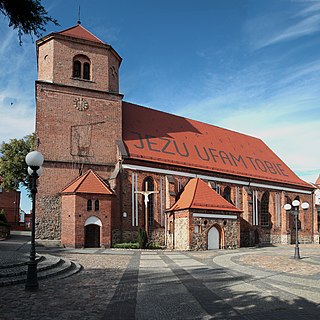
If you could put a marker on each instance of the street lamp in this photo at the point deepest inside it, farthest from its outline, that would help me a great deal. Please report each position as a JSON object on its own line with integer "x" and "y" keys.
{"x": 294, "y": 209}
{"x": 34, "y": 160}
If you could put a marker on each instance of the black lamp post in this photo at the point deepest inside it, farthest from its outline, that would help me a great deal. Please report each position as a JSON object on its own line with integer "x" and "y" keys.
{"x": 294, "y": 209}
{"x": 34, "y": 160}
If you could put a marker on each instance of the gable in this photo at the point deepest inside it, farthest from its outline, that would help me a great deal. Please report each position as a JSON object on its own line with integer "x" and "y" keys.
{"x": 81, "y": 33}
{"x": 198, "y": 195}
{"x": 161, "y": 137}
{"x": 89, "y": 182}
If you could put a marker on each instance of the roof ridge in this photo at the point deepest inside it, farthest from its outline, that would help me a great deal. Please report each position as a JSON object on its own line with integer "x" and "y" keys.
{"x": 66, "y": 32}
{"x": 100, "y": 180}
{"x": 83, "y": 178}
{"x": 72, "y": 182}
{"x": 195, "y": 191}
{"x": 193, "y": 120}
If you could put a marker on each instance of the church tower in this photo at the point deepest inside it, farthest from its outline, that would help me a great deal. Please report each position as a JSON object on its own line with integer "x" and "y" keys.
{"x": 78, "y": 115}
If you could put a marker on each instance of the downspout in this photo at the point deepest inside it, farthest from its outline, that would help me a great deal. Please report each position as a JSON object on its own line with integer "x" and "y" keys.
{"x": 120, "y": 196}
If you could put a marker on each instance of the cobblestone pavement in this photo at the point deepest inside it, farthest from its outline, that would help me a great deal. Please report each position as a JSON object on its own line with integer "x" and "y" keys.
{"x": 259, "y": 283}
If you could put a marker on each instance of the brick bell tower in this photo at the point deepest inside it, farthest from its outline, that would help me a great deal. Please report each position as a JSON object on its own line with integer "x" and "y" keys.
{"x": 78, "y": 116}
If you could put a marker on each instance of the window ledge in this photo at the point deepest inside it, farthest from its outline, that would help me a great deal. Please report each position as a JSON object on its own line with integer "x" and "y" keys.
{"x": 81, "y": 79}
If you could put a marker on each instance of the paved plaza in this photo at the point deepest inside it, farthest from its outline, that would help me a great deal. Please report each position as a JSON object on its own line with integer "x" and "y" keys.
{"x": 248, "y": 283}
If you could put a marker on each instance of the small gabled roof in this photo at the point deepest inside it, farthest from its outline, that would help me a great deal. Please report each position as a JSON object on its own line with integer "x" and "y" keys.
{"x": 80, "y": 32}
{"x": 198, "y": 195}
{"x": 318, "y": 181}
{"x": 89, "y": 182}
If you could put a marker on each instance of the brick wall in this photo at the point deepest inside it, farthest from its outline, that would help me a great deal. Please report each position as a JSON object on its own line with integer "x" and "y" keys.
{"x": 10, "y": 203}
{"x": 75, "y": 214}
{"x": 55, "y": 61}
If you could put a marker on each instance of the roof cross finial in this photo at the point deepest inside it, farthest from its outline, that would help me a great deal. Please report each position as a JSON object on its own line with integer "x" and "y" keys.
{"x": 79, "y": 21}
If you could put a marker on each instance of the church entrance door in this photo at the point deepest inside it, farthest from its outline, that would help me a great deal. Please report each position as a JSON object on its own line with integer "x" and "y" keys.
{"x": 213, "y": 238}
{"x": 92, "y": 236}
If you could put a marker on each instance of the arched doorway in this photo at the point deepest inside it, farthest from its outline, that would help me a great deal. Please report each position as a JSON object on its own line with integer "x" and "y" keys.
{"x": 213, "y": 238}
{"x": 92, "y": 232}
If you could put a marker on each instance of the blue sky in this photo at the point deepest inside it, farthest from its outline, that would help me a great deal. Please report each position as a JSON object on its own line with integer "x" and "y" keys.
{"x": 247, "y": 65}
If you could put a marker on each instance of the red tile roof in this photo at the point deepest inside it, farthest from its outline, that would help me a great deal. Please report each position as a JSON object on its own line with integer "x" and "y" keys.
{"x": 89, "y": 182}
{"x": 198, "y": 195}
{"x": 161, "y": 137}
{"x": 80, "y": 32}
{"x": 317, "y": 181}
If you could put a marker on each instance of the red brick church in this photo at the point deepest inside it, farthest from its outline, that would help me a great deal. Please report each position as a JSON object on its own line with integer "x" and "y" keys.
{"x": 112, "y": 167}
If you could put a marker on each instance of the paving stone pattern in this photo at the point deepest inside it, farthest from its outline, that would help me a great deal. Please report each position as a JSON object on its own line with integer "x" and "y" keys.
{"x": 129, "y": 284}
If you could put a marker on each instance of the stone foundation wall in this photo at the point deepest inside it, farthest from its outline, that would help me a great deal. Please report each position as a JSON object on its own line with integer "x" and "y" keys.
{"x": 48, "y": 224}
{"x": 116, "y": 236}
{"x": 228, "y": 230}
{"x": 181, "y": 234}
{"x": 157, "y": 236}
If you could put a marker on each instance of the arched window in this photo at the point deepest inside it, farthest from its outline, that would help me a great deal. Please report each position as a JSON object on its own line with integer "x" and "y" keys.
{"x": 148, "y": 185}
{"x": 227, "y": 193}
{"x": 89, "y": 205}
{"x": 86, "y": 71}
{"x": 76, "y": 69}
{"x": 96, "y": 205}
{"x": 265, "y": 216}
{"x": 81, "y": 67}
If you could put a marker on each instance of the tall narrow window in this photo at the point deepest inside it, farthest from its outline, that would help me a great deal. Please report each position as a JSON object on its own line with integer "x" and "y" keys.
{"x": 148, "y": 182}
{"x": 96, "y": 205}
{"x": 265, "y": 216}
{"x": 227, "y": 193}
{"x": 86, "y": 71}
{"x": 76, "y": 69}
{"x": 277, "y": 208}
{"x": 89, "y": 205}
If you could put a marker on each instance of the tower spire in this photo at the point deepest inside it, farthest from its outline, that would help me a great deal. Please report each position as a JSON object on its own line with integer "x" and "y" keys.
{"x": 79, "y": 21}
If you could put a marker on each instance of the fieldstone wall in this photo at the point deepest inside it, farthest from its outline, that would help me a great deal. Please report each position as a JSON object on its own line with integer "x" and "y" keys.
{"x": 229, "y": 233}
{"x": 48, "y": 224}
{"x": 157, "y": 236}
{"x": 129, "y": 236}
{"x": 181, "y": 233}
{"x": 116, "y": 236}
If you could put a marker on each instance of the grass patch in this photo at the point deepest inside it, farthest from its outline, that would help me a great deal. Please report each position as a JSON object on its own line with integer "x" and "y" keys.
{"x": 127, "y": 245}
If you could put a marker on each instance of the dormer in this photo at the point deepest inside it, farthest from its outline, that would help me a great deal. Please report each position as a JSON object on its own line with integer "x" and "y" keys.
{"x": 75, "y": 57}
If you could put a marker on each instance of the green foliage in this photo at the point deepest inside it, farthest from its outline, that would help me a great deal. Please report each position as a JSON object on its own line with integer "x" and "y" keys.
{"x": 142, "y": 238}
{"x": 13, "y": 168}
{"x": 3, "y": 219}
{"x": 129, "y": 245}
{"x": 28, "y": 16}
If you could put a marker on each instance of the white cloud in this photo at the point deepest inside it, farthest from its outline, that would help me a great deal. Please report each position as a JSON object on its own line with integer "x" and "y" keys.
{"x": 284, "y": 26}
{"x": 17, "y": 103}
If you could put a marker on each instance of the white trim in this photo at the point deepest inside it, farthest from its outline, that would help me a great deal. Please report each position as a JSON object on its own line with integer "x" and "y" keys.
{"x": 192, "y": 175}
{"x": 136, "y": 201}
{"x": 161, "y": 202}
{"x": 132, "y": 198}
{"x": 93, "y": 220}
{"x": 213, "y": 215}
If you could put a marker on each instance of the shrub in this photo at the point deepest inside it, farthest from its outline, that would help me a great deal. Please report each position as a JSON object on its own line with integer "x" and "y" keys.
{"x": 3, "y": 217}
{"x": 128, "y": 245}
{"x": 142, "y": 238}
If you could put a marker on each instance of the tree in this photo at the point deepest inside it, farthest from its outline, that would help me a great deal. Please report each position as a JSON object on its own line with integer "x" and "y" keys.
{"x": 13, "y": 168}
{"x": 28, "y": 16}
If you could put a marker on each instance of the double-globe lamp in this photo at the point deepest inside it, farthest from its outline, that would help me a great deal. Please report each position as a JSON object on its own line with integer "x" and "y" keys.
{"x": 34, "y": 160}
{"x": 294, "y": 209}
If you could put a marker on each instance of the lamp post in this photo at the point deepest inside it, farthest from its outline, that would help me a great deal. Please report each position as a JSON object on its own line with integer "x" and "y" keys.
{"x": 34, "y": 160}
{"x": 294, "y": 209}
